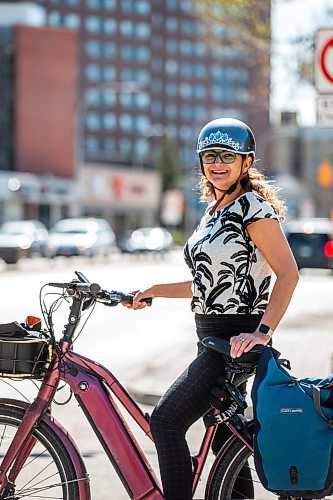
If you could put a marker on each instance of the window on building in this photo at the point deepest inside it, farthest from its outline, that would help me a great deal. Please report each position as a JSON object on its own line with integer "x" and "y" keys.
{"x": 171, "y": 67}
{"x": 135, "y": 53}
{"x": 109, "y": 144}
{"x": 141, "y": 147}
{"x": 141, "y": 7}
{"x": 109, "y": 49}
{"x": 93, "y": 24}
{"x": 135, "y": 29}
{"x": 93, "y": 72}
{"x": 171, "y": 46}
{"x": 109, "y": 121}
{"x": 93, "y": 49}
{"x": 171, "y": 24}
{"x": 125, "y": 147}
{"x": 109, "y": 26}
{"x": 108, "y": 73}
{"x": 126, "y": 122}
{"x": 93, "y": 120}
{"x": 171, "y": 89}
{"x": 172, "y": 4}
{"x": 93, "y": 143}
{"x": 136, "y": 75}
{"x": 171, "y": 111}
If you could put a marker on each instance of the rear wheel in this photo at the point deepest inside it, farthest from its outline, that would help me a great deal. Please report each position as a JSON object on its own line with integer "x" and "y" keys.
{"x": 48, "y": 471}
{"x": 236, "y": 478}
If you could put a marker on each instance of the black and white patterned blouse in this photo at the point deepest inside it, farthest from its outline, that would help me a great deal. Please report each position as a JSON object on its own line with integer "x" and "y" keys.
{"x": 230, "y": 274}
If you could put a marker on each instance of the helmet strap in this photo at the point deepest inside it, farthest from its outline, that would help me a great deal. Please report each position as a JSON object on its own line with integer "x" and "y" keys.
{"x": 225, "y": 192}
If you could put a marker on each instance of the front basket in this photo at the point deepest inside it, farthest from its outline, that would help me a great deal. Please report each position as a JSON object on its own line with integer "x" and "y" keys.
{"x": 23, "y": 354}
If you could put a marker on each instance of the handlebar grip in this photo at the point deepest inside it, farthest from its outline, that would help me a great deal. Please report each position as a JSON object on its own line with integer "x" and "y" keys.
{"x": 128, "y": 298}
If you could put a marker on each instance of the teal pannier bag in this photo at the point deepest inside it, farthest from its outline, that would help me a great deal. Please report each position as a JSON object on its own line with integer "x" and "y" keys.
{"x": 293, "y": 431}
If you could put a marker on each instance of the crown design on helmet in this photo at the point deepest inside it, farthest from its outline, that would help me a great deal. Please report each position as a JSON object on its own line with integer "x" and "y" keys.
{"x": 218, "y": 138}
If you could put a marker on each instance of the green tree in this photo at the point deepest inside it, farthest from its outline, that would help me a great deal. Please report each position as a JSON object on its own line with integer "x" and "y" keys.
{"x": 168, "y": 163}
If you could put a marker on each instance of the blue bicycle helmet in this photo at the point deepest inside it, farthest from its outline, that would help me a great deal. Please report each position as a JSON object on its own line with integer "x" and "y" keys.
{"x": 227, "y": 133}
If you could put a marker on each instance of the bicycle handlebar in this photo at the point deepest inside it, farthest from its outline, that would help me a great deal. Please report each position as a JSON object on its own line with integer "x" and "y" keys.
{"x": 86, "y": 290}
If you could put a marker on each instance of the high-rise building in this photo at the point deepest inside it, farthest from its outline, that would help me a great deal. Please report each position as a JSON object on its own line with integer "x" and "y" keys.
{"x": 184, "y": 80}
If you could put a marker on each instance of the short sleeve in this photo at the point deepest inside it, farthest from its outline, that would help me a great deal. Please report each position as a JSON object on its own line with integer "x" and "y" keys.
{"x": 256, "y": 208}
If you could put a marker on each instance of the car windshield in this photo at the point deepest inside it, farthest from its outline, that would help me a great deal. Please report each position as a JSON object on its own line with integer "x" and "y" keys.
{"x": 70, "y": 230}
{"x": 14, "y": 229}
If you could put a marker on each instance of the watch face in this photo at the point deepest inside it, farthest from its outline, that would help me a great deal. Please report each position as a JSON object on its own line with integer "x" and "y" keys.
{"x": 264, "y": 329}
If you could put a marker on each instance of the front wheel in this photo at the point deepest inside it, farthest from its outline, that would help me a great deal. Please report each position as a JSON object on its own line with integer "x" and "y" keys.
{"x": 236, "y": 477}
{"x": 48, "y": 471}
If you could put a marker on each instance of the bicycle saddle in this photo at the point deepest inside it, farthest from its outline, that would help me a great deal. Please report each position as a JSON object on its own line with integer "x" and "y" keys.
{"x": 249, "y": 358}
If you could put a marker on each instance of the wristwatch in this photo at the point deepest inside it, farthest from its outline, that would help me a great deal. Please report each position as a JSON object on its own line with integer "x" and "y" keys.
{"x": 266, "y": 330}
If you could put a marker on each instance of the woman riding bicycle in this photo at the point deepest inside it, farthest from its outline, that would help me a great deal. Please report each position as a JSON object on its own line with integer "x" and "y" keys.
{"x": 231, "y": 255}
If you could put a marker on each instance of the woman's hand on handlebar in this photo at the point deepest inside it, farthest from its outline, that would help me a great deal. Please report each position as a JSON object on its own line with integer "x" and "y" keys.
{"x": 139, "y": 299}
{"x": 245, "y": 342}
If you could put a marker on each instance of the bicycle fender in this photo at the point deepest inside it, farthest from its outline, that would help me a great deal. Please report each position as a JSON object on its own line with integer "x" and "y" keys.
{"x": 68, "y": 443}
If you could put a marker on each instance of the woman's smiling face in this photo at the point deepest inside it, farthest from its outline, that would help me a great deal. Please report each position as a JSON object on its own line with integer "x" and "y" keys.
{"x": 222, "y": 167}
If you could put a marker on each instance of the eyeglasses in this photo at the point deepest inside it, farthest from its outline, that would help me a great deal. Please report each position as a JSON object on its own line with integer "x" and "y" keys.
{"x": 225, "y": 156}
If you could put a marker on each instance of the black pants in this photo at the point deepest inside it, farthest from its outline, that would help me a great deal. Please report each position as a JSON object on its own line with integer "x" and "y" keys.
{"x": 187, "y": 400}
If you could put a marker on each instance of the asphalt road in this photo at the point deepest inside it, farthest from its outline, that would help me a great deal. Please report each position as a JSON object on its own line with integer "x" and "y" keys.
{"x": 147, "y": 349}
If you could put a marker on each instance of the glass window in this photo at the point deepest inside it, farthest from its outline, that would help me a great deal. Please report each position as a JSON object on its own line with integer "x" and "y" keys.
{"x": 93, "y": 120}
{"x": 142, "y": 99}
{"x": 109, "y": 144}
{"x": 141, "y": 147}
{"x": 93, "y": 48}
{"x": 135, "y": 29}
{"x": 93, "y": 4}
{"x": 126, "y": 122}
{"x": 141, "y": 123}
{"x": 141, "y": 7}
{"x": 135, "y": 53}
{"x": 54, "y": 18}
{"x": 109, "y": 4}
{"x": 185, "y": 90}
{"x": 172, "y": 4}
{"x": 93, "y": 143}
{"x": 171, "y": 111}
{"x": 171, "y": 66}
{"x": 93, "y": 24}
{"x": 125, "y": 146}
{"x": 109, "y": 121}
{"x": 171, "y": 24}
{"x": 108, "y": 97}
{"x": 136, "y": 75}
{"x": 93, "y": 72}
{"x": 109, "y": 49}
{"x": 109, "y": 25}
{"x": 171, "y": 46}
{"x": 109, "y": 73}
{"x": 171, "y": 89}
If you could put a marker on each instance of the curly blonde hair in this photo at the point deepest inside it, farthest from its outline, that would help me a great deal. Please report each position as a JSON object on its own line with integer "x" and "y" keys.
{"x": 253, "y": 181}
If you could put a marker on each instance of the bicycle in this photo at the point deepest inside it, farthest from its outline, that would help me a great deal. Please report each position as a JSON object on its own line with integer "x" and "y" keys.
{"x": 40, "y": 457}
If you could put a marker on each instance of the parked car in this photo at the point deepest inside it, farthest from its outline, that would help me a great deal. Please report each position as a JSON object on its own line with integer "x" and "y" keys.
{"x": 146, "y": 239}
{"x": 81, "y": 236}
{"x": 22, "y": 239}
{"x": 311, "y": 241}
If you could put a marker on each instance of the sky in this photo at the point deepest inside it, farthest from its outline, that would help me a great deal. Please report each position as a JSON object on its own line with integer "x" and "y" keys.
{"x": 290, "y": 19}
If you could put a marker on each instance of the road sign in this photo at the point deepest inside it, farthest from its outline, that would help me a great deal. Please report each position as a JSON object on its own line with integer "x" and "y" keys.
{"x": 325, "y": 111}
{"x": 324, "y": 61}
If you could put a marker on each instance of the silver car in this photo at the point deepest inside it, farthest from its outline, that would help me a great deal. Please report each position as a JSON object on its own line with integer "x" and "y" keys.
{"x": 85, "y": 236}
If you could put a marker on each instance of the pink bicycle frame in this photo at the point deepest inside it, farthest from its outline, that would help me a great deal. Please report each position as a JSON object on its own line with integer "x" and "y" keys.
{"x": 95, "y": 387}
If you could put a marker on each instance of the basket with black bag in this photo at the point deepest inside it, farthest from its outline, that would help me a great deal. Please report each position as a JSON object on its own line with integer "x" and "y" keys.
{"x": 25, "y": 350}
{"x": 293, "y": 431}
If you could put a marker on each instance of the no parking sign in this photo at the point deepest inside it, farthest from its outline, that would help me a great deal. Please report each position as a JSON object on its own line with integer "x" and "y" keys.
{"x": 324, "y": 61}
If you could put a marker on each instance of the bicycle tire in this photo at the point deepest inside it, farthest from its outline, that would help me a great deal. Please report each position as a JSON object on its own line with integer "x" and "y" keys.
{"x": 48, "y": 468}
{"x": 223, "y": 484}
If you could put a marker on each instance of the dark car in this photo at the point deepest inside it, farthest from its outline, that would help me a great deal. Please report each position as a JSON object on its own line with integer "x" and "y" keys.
{"x": 22, "y": 239}
{"x": 146, "y": 240}
{"x": 311, "y": 241}
{"x": 86, "y": 236}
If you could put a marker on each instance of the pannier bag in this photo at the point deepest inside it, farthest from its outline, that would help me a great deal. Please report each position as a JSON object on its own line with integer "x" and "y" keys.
{"x": 293, "y": 431}
{"x": 24, "y": 353}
